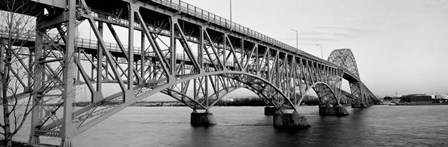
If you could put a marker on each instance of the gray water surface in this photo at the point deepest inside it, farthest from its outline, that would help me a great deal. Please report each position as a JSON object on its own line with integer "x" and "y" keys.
{"x": 247, "y": 126}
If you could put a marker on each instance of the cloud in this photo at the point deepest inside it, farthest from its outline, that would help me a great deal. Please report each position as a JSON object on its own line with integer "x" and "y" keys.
{"x": 345, "y": 30}
{"x": 311, "y": 40}
{"x": 318, "y": 39}
{"x": 331, "y": 34}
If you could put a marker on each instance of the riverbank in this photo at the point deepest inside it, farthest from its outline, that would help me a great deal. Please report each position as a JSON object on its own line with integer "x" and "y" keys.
{"x": 420, "y": 104}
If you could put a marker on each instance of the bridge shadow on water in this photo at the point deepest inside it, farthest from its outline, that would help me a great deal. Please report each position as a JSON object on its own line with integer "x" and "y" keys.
{"x": 340, "y": 131}
{"x": 324, "y": 131}
{"x": 327, "y": 131}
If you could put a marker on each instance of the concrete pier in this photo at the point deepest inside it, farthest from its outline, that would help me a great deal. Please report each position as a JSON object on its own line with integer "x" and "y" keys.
{"x": 356, "y": 105}
{"x": 364, "y": 105}
{"x": 269, "y": 110}
{"x": 329, "y": 110}
{"x": 360, "y": 105}
{"x": 341, "y": 111}
{"x": 290, "y": 120}
{"x": 326, "y": 110}
{"x": 202, "y": 119}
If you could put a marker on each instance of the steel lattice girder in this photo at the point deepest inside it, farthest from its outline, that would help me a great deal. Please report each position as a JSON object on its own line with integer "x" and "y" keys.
{"x": 345, "y": 59}
{"x": 190, "y": 57}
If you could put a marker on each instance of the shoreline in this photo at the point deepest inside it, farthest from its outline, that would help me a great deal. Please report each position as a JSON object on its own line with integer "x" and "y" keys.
{"x": 436, "y": 104}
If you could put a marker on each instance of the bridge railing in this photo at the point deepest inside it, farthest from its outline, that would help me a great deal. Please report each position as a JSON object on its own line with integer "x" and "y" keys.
{"x": 215, "y": 19}
{"x": 92, "y": 44}
{"x": 17, "y": 34}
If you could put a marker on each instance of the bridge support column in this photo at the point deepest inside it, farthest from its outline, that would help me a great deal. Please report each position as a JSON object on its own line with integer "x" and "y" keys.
{"x": 202, "y": 119}
{"x": 365, "y": 105}
{"x": 341, "y": 111}
{"x": 287, "y": 120}
{"x": 326, "y": 110}
{"x": 66, "y": 142}
{"x": 269, "y": 110}
{"x": 329, "y": 110}
{"x": 360, "y": 105}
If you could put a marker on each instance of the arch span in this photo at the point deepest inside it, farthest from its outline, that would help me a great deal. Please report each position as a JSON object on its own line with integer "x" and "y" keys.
{"x": 324, "y": 92}
{"x": 345, "y": 59}
{"x": 98, "y": 114}
{"x": 225, "y": 91}
{"x": 266, "y": 99}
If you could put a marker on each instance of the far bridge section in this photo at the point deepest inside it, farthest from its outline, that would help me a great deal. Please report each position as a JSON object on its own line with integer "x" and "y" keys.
{"x": 183, "y": 51}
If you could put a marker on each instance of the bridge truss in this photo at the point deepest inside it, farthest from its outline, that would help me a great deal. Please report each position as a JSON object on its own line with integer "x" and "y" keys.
{"x": 182, "y": 51}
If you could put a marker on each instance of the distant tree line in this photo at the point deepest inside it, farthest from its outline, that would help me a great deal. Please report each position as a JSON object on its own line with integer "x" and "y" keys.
{"x": 252, "y": 101}
{"x": 310, "y": 100}
{"x": 256, "y": 101}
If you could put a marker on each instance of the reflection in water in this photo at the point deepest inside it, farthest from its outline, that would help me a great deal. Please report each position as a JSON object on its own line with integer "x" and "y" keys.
{"x": 247, "y": 126}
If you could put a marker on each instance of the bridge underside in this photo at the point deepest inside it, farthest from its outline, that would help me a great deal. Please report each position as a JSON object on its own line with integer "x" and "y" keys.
{"x": 157, "y": 46}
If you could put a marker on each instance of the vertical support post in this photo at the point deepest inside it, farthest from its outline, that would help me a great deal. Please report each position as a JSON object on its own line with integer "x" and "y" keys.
{"x": 326, "y": 75}
{"x": 294, "y": 76}
{"x": 287, "y": 76}
{"x": 318, "y": 67}
{"x": 4, "y": 85}
{"x": 216, "y": 88}
{"x": 30, "y": 66}
{"x": 300, "y": 76}
{"x": 277, "y": 70}
{"x": 2, "y": 64}
{"x": 314, "y": 71}
{"x": 142, "y": 58}
{"x": 308, "y": 70}
{"x": 68, "y": 94}
{"x": 3, "y": 79}
{"x": 206, "y": 89}
{"x": 200, "y": 50}
{"x": 268, "y": 60}
{"x": 303, "y": 75}
{"x": 242, "y": 55}
{"x": 195, "y": 91}
{"x": 153, "y": 69}
{"x": 129, "y": 95}
{"x": 257, "y": 59}
{"x": 325, "y": 70}
{"x": 36, "y": 114}
{"x": 224, "y": 52}
{"x": 173, "y": 46}
{"x": 330, "y": 76}
{"x": 92, "y": 68}
{"x": 131, "y": 48}
{"x": 99, "y": 67}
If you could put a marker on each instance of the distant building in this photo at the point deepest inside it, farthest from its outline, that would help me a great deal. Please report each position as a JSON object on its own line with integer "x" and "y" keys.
{"x": 441, "y": 98}
{"x": 387, "y": 98}
{"x": 416, "y": 99}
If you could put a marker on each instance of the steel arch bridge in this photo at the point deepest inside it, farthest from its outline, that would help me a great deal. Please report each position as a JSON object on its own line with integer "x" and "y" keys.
{"x": 174, "y": 48}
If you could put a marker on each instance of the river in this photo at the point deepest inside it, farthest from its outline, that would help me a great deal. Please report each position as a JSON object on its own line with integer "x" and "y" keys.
{"x": 247, "y": 126}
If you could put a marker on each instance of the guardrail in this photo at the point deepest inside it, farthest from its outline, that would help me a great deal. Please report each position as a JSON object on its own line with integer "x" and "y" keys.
{"x": 192, "y": 10}
{"x": 79, "y": 42}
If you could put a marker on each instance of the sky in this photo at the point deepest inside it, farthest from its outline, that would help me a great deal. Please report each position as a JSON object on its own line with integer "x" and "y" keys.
{"x": 400, "y": 46}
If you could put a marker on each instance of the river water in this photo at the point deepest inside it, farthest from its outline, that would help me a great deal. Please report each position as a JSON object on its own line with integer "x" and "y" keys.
{"x": 247, "y": 126}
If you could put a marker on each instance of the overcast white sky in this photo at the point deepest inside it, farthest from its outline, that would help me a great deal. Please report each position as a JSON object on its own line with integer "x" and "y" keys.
{"x": 401, "y": 46}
